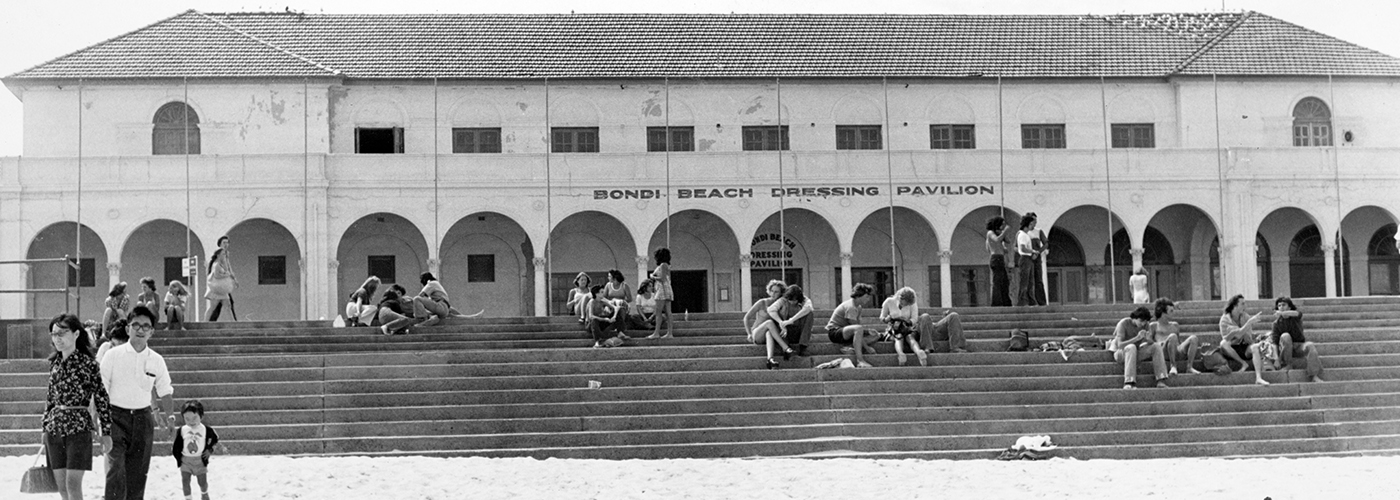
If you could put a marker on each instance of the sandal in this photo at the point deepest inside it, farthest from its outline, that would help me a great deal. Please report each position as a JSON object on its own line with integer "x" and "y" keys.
{"x": 772, "y": 364}
{"x": 787, "y": 353}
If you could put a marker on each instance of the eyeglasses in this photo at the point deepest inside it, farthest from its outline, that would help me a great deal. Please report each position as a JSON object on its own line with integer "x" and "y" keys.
{"x": 141, "y": 327}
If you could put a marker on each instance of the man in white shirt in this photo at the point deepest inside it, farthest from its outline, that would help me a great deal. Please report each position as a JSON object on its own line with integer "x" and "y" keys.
{"x": 130, "y": 372}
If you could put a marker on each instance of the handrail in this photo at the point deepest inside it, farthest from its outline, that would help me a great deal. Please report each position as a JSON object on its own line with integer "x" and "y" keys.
{"x": 67, "y": 289}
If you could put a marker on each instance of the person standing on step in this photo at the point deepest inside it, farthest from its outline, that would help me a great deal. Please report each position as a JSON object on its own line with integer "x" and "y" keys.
{"x": 221, "y": 283}
{"x": 130, "y": 372}
{"x": 1167, "y": 335}
{"x": 757, "y": 322}
{"x": 1138, "y": 283}
{"x": 844, "y": 328}
{"x": 361, "y": 309}
{"x": 792, "y": 324}
{"x": 664, "y": 293}
{"x": 1030, "y": 246}
{"x": 619, "y": 293}
{"x": 74, "y": 383}
{"x": 900, "y": 311}
{"x": 1132, "y": 344}
{"x": 1288, "y": 335}
{"x": 996, "y": 246}
{"x": 1237, "y": 339}
{"x": 175, "y": 295}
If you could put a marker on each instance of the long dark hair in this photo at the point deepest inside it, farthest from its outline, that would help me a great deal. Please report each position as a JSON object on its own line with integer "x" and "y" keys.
{"x": 663, "y": 256}
{"x": 214, "y": 258}
{"x": 1027, "y": 219}
{"x": 995, "y": 223}
{"x": 1234, "y": 301}
{"x": 793, "y": 295}
{"x": 75, "y": 325}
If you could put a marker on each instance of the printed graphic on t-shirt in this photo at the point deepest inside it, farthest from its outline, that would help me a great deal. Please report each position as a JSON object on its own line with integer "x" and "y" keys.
{"x": 194, "y": 440}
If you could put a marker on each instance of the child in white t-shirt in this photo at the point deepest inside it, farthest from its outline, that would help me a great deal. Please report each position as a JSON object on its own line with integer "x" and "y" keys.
{"x": 193, "y": 446}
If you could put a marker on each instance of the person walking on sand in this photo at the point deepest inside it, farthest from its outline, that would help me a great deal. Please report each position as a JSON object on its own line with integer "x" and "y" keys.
{"x": 130, "y": 372}
{"x": 221, "y": 283}
{"x": 664, "y": 294}
{"x": 74, "y": 383}
{"x": 193, "y": 445}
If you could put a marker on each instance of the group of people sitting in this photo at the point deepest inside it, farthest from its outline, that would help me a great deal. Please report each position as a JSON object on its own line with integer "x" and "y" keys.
{"x": 396, "y": 311}
{"x": 1153, "y": 335}
{"x": 118, "y": 304}
{"x": 783, "y": 323}
{"x": 607, "y": 311}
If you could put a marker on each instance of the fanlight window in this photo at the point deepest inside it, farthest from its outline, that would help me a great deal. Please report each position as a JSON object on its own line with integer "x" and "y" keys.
{"x": 176, "y": 130}
{"x": 1312, "y": 123}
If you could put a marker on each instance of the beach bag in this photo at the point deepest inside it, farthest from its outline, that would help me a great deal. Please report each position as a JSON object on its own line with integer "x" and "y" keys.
{"x": 39, "y": 478}
{"x": 1212, "y": 360}
{"x": 613, "y": 342}
{"x": 1020, "y": 341}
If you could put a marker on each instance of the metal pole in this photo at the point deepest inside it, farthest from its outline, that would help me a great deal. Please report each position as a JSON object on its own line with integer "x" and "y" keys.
{"x": 889, "y": 177}
{"x": 668, "y": 160}
{"x": 782, "y": 206}
{"x": 1108, "y": 178}
{"x": 1220, "y": 176}
{"x": 78, "y": 238}
{"x": 548, "y": 202}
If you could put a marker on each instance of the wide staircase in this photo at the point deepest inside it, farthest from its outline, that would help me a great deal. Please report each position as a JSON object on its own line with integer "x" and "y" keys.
{"x": 503, "y": 387}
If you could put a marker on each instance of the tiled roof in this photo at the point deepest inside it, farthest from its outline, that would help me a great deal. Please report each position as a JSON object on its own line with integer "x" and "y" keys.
{"x": 712, "y": 46}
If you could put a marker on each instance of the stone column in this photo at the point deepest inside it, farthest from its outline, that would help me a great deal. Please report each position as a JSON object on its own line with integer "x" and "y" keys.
{"x": 945, "y": 278}
{"x": 114, "y": 274}
{"x": 333, "y": 271}
{"x": 541, "y": 290}
{"x": 1329, "y": 259}
{"x": 435, "y": 267}
{"x": 745, "y": 280}
{"x": 643, "y": 272}
{"x": 1137, "y": 258}
{"x": 846, "y": 280}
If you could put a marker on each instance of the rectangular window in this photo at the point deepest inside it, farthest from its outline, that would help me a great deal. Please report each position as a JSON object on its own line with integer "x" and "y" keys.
{"x": 952, "y": 136}
{"x": 383, "y": 267}
{"x": 272, "y": 269}
{"x": 85, "y": 276}
{"x": 169, "y": 140}
{"x": 575, "y": 139}
{"x": 1312, "y": 134}
{"x": 481, "y": 268}
{"x": 174, "y": 271}
{"x": 766, "y": 138}
{"x": 1043, "y": 136}
{"x": 476, "y": 140}
{"x": 682, "y": 139}
{"x": 379, "y": 141}
{"x": 1134, "y": 135}
{"x": 858, "y": 137}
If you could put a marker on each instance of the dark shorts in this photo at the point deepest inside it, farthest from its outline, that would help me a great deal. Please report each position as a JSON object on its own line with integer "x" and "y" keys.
{"x": 1241, "y": 349}
{"x": 834, "y": 334}
{"x": 70, "y": 452}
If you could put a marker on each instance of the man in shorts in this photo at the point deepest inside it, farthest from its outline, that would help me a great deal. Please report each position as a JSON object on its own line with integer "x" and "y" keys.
{"x": 844, "y": 328}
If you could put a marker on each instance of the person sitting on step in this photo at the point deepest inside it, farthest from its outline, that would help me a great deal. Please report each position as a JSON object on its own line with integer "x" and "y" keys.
{"x": 1237, "y": 337}
{"x": 1288, "y": 335}
{"x": 643, "y": 316}
{"x": 844, "y": 328}
{"x": 949, "y": 325}
{"x": 603, "y": 317}
{"x": 579, "y": 296}
{"x": 117, "y": 305}
{"x": 619, "y": 293}
{"x": 393, "y": 307}
{"x": 361, "y": 309}
{"x": 757, "y": 322}
{"x": 1167, "y": 334}
{"x": 792, "y": 318}
{"x": 899, "y": 312}
{"x": 1132, "y": 344}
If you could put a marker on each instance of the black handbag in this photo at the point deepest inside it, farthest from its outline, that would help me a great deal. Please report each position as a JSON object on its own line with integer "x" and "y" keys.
{"x": 39, "y": 478}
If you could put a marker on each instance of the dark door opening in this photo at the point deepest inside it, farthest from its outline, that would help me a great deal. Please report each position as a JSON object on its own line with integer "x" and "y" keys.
{"x": 692, "y": 291}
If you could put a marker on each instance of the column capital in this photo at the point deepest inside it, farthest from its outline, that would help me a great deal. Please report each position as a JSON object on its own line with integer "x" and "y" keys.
{"x": 539, "y": 261}
{"x": 333, "y": 264}
{"x": 746, "y": 259}
{"x": 846, "y": 258}
{"x": 114, "y": 267}
{"x": 434, "y": 263}
{"x": 945, "y": 255}
{"x": 642, "y": 260}
{"x": 1329, "y": 248}
{"x": 1136, "y": 252}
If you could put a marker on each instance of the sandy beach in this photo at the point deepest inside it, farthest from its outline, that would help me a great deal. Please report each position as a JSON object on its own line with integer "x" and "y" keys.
{"x": 346, "y": 478}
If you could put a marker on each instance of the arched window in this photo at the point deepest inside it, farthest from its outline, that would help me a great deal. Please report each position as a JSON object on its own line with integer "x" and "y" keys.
{"x": 1312, "y": 123}
{"x": 176, "y": 130}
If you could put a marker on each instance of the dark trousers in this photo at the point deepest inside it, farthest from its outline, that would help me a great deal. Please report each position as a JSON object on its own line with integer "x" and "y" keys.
{"x": 601, "y": 330}
{"x": 218, "y": 307}
{"x": 1031, "y": 289}
{"x": 800, "y": 331}
{"x": 1001, "y": 284}
{"x": 130, "y": 456}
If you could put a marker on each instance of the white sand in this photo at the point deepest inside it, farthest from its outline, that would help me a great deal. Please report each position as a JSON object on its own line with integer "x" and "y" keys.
{"x": 247, "y": 477}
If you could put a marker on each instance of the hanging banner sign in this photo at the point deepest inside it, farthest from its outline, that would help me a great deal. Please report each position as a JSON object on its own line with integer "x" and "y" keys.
{"x": 795, "y": 192}
{"x": 771, "y": 251}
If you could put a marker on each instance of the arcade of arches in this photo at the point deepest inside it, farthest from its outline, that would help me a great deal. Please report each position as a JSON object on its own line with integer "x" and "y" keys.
{"x": 488, "y": 261}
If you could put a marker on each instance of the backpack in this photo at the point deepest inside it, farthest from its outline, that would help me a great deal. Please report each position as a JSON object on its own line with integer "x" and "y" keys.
{"x": 1020, "y": 341}
{"x": 1212, "y": 360}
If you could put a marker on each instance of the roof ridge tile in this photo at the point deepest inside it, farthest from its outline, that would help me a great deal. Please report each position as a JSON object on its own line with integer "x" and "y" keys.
{"x": 1212, "y": 42}
{"x": 269, "y": 44}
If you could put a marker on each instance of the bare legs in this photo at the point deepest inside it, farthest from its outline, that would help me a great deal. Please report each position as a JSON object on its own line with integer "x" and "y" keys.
{"x": 663, "y": 310}
{"x": 1308, "y": 349}
{"x": 914, "y": 346}
{"x": 70, "y": 483}
{"x": 1173, "y": 348}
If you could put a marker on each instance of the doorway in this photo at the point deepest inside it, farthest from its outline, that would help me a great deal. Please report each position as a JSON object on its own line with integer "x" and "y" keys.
{"x": 692, "y": 291}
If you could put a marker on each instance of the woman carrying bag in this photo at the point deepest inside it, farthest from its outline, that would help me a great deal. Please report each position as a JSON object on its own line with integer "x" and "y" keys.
{"x": 221, "y": 282}
{"x": 74, "y": 384}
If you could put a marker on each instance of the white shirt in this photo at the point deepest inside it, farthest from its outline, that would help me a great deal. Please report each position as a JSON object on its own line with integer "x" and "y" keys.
{"x": 890, "y": 310}
{"x": 130, "y": 376}
{"x": 1023, "y": 243}
{"x": 194, "y": 440}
